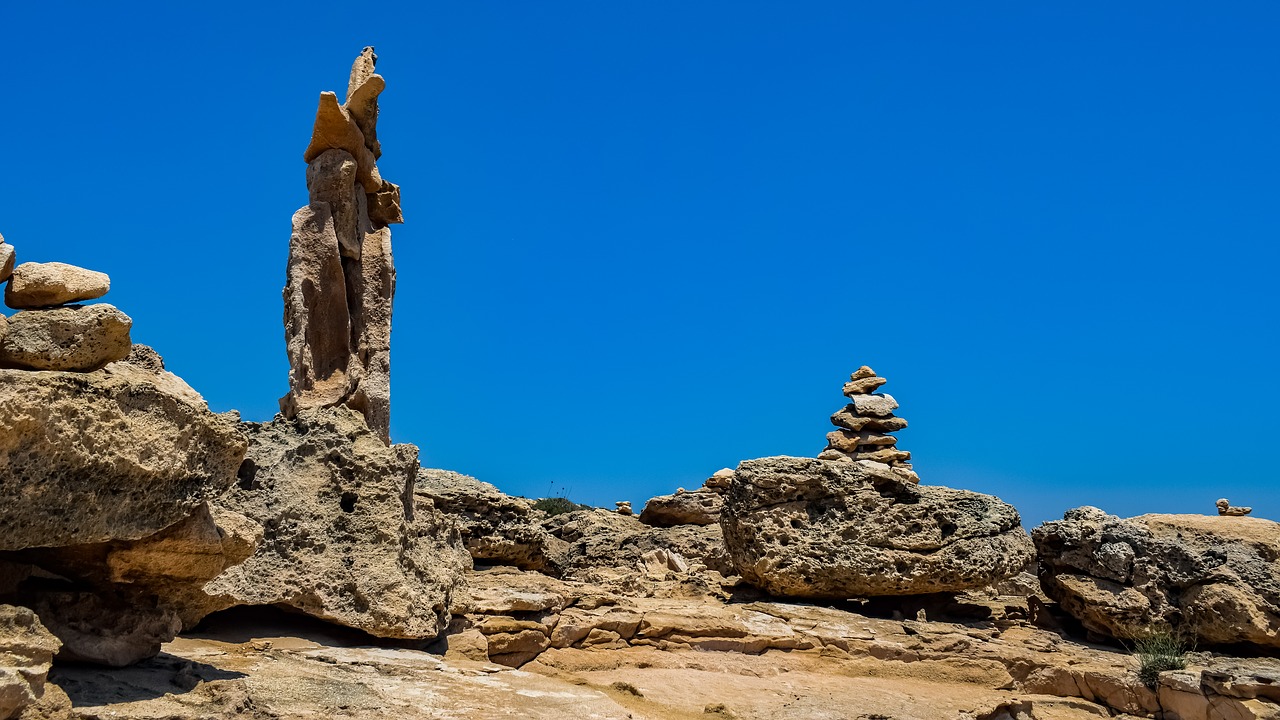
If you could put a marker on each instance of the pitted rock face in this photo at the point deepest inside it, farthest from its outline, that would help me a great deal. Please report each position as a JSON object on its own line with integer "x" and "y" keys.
{"x": 76, "y": 338}
{"x": 116, "y": 454}
{"x": 1216, "y": 578}
{"x": 345, "y": 539}
{"x": 800, "y": 527}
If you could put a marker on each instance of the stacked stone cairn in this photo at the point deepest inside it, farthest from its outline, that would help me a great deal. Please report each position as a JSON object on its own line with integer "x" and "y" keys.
{"x": 51, "y": 331}
{"x": 864, "y": 426}
{"x": 341, "y": 278}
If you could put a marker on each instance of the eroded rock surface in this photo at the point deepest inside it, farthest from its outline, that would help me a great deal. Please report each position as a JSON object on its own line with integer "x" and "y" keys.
{"x": 116, "y": 454}
{"x": 26, "y": 653}
{"x": 41, "y": 285}
{"x": 497, "y": 529}
{"x": 1216, "y": 578}
{"x": 801, "y": 527}
{"x": 345, "y": 539}
{"x": 76, "y": 338}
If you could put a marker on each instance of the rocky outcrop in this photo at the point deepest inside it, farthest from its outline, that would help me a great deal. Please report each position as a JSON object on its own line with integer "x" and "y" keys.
{"x": 7, "y": 257}
{"x": 497, "y": 529}
{"x": 77, "y": 338}
{"x": 26, "y": 652}
{"x": 116, "y": 454}
{"x": 865, "y": 425}
{"x": 699, "y": 507}
{"x": 801, "y": 527}
{"x": 597, "y": 539}
{"x": 1214, "y": 578}
{"x": 341, "y": 278}
{"x": 345, "y": 537}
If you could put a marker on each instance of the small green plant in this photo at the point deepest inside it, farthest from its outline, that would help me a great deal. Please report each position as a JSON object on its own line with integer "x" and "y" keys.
{"x": 556, "y": 505}
{"x": 1157, "y": 651}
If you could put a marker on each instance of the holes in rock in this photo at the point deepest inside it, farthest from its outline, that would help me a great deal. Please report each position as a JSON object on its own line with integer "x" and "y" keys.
{"x": 348, "y": 501}
{"x": 247, "y": 474}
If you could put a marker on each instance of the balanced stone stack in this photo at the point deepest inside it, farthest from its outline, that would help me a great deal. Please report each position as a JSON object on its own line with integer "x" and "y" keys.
{"x": 51, "y": 331}
{"x": 341, "y": 278}
{"x": 864, "y": 426}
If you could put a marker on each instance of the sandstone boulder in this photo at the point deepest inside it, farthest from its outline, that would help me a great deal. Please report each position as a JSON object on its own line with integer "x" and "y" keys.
{"x": 701, "y": 507}
{"x": 116, "y": 454}
{"x": 39, "y": 285}
{"x": 497, "y": 529}
{"x": 802, "y": 527}
{"x": 26, "y": 652}
{"x": 345, "y": 538}
{"x": 1216, "y": 578}
{"x": 597, "y": 539}
{"x": 7, "y": 256}
{"x": 77, "y": 338}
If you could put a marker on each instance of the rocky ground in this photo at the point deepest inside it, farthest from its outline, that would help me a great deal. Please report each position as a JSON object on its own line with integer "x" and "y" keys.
{"x": 158, "y": 560}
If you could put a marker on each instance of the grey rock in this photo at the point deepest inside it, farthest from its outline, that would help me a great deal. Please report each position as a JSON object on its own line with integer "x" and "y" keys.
{"x": 1214, "y": 578}
{"x": 77, "y": 338}
{"x": 802, "y": 527}
{"x": 597, "y": 539}
{"x": 877, "y": 405}
{"x": 497, "y": 529}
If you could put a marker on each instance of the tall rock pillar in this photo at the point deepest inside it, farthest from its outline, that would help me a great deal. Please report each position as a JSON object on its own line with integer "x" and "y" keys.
{"x": 341, "y": 279}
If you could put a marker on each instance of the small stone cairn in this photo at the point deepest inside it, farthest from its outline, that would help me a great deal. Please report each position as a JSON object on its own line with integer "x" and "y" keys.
{"x": 50, "y": 331}
{"x": 864, "y": 426}
{"x": 1226, "y": 508}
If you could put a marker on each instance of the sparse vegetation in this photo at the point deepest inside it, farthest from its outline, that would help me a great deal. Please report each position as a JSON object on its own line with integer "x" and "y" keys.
{"x": 1158, "y": 651}
{"x": 557, "y": 505}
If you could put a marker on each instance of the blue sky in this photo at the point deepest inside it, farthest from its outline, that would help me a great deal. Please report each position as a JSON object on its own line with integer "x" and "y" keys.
{"x": 645, "y": 241}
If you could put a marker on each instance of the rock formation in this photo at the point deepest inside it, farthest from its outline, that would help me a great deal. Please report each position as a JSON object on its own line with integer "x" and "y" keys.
{"x": 26, "y": 652}
{"x": 497, "y": 529}
{"x": 1213, "y": 578}
{"x": 801, "y": 527}
{"x": 697, "y": 507}
{"x": 865, "y": 424}
{"x": 345, "y": 537}
{"x": 341, "y": 278}
{"x": 1225, "y": 508}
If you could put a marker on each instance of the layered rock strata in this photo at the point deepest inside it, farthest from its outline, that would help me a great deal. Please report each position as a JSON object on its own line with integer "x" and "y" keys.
{"x": 496, "y": 528}
{"x": 340, "y": 277}
{"x": 345, "y": 537}
{"x": 1213, "y": 578}
{"x": 800, "y": 527}
{"x": 865, "y": 427}
{"x": 26, "y": 653}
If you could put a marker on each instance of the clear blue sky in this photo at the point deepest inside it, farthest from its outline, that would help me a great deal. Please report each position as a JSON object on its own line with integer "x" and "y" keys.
{"x": 646, "y": 240}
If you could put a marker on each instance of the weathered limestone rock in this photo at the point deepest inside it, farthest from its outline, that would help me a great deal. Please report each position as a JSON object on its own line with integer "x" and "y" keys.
{"x": 341, "y": 277}
{"x": 106, "y": 628}
{"x": 345, "y": 539}
{"x": 26, "y": 652}
{"x": 496, "y": 528}
{"x": 317, "y": 320}
{"x": 39, "y": 285}
{"x": 116, "y": 454}
{"x": 7, "y": 256}
{"x": 1215, "y": 578}
{"x": 1224, "y": 508}
{"x": 813, "y": 528}
{"x": 77, "y": 338}
{"x": 596, "y": 538}
{"x": 700, "y": 507}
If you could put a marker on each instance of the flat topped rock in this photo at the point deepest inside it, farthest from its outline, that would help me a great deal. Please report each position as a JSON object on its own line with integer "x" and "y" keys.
{"x": 849, "y": 419}
{"x": 862, "y": 386}
{"x": 40, "y": 285}
{"x": 78, "y": 338}
{"x": 879, "y": 405}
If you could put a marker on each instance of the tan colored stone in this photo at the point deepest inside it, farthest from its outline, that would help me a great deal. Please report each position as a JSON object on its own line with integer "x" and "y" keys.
{"x": 849, "y": 419}
{"x": 345, "y": 538}
{"x": 335, "y": 129}
{"x": 850, "y": 441}
{"x": 862, "y": 373}
{"x": 40, "y": 285}
{"x": 863, "y": 386}
{"x": 26, "y": 653}
{"x": 116, "y": 454}
{"x": 7, "y": 259}
{"x": 878, "y": 405}
{"x": 690, "y": 508}
{"x": 78, "y": 339}
{"x": 1225, "y": 508}
{"x": 384, "y": 206}
{"x": 362, "y": 105}
{"x": 331, "y": 179}
{"x": 317, "y": 320}
{"x": 372, "y": 318}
